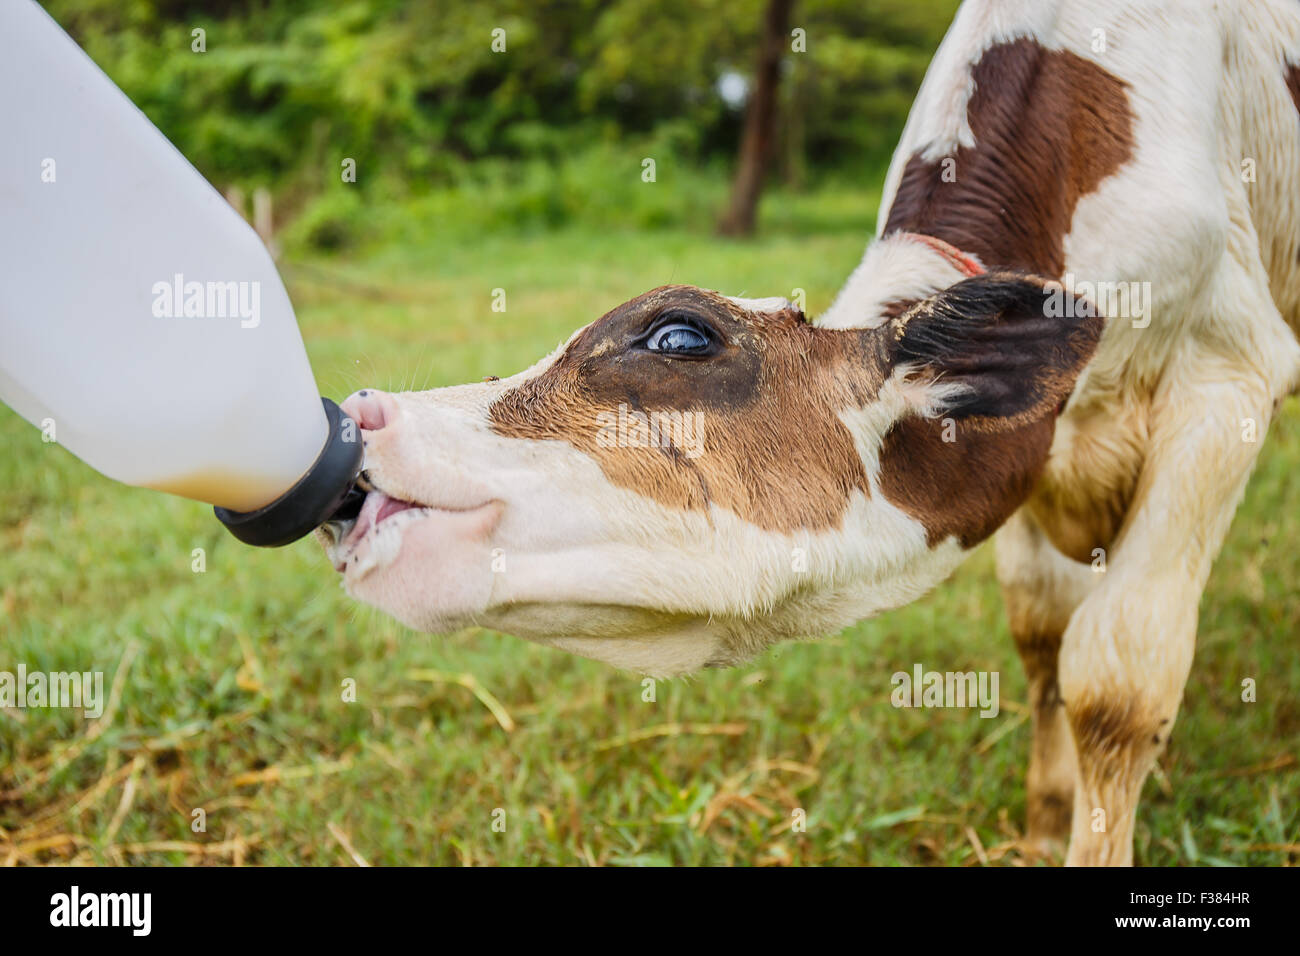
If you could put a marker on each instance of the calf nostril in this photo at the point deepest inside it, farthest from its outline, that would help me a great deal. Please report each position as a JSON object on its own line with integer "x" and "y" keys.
{"x": 370, "y": 408}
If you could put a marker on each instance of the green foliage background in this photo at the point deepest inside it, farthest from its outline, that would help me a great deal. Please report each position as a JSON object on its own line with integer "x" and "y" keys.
{"x": 551, "y": 130}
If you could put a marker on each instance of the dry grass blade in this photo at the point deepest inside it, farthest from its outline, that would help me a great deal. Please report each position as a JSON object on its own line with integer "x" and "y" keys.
{"x": 672, "y": 730}
{"x": 722, "y": 801}
{"x": 987, "y": 743}
{"x": 48, "y": 818}
{"x": 997, "y": 852}
{"x": 765, "y": 766}
{"x": 1277, "y": 763}
{"x": 470, "y": 683}
{"x": 128, "y": 797}
{"x": 114, "y": 692}
{"x": 237, "y": 845}
{"x": 250, "y": 677}
{"x": 974, "y": 839}
{"x": 56, "y": 842}
{"x": 337, "y": 833}
{"x": 281, "y": 774}
{"x": 1162, "y": 780}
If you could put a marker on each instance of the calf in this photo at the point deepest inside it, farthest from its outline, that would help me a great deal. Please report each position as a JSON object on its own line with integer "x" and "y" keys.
{"x": 693, "y": 477}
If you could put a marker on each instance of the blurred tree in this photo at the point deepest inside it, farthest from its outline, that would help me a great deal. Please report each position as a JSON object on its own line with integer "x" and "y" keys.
{"x": 756, "y": 145}
{"x": 415, "y": 93}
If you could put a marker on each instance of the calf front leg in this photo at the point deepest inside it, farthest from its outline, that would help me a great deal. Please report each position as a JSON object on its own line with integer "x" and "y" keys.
{"x": 1127, "y": 651}
{"x": 1041, "y": 588}
{"x": 1124, "y": 663}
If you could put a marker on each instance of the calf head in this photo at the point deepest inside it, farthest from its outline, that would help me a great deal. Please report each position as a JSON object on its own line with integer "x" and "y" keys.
{"x": 692, "y": 477}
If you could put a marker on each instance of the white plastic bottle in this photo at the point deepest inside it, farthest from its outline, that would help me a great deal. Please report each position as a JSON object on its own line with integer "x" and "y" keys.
{"x": 141, "y": 319}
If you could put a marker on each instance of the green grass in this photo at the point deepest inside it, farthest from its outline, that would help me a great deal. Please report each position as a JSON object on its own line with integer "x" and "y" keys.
{"x": 231, "y": 680}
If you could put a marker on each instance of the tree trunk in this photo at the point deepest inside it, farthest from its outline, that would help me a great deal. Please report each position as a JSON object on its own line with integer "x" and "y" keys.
{"x": 756, "y": 144}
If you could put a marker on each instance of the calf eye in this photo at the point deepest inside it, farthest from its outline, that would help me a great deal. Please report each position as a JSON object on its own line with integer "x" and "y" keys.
{"x": 677, "y": 337}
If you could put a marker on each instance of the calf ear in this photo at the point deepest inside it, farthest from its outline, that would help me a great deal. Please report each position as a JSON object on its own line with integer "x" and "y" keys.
{"x": 996, "y": 356}
{"x": 1013, "y": 345}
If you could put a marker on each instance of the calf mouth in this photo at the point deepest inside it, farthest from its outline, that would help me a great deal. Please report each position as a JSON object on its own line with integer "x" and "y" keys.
{"x": 367, "y": 509}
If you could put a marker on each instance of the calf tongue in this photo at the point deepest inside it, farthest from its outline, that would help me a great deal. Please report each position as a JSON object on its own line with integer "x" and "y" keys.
{"x": 390, "y": 506}
{"x": 375, "y": 508}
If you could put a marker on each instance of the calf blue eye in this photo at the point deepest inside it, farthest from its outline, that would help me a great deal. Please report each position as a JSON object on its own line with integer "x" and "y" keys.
{"x": 677, "y": 337}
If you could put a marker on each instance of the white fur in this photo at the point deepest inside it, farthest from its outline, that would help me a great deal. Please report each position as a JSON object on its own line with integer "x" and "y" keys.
{"x": 897, "y": 268}
{"x": 774, "y": 303}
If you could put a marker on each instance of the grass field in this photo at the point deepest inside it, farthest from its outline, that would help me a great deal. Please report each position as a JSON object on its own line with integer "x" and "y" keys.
{"x": 228, "y": 684}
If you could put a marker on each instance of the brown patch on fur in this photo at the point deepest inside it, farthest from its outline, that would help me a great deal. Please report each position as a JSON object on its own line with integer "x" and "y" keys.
{"x": 1107, "y": 725}
{"x": 968, "y": 487}
{"x": 1049, "y": 812}
{"x": 1039, "y": 652}
{"x": 1049, "y": 126}
{"x": 1293, "y": 84}
{"x": 1292, "y": 76}
{"x": 774, "y": 449}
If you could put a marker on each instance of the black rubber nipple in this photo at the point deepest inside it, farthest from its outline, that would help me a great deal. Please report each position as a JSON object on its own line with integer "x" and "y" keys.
{"x": 320, "y": 495}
